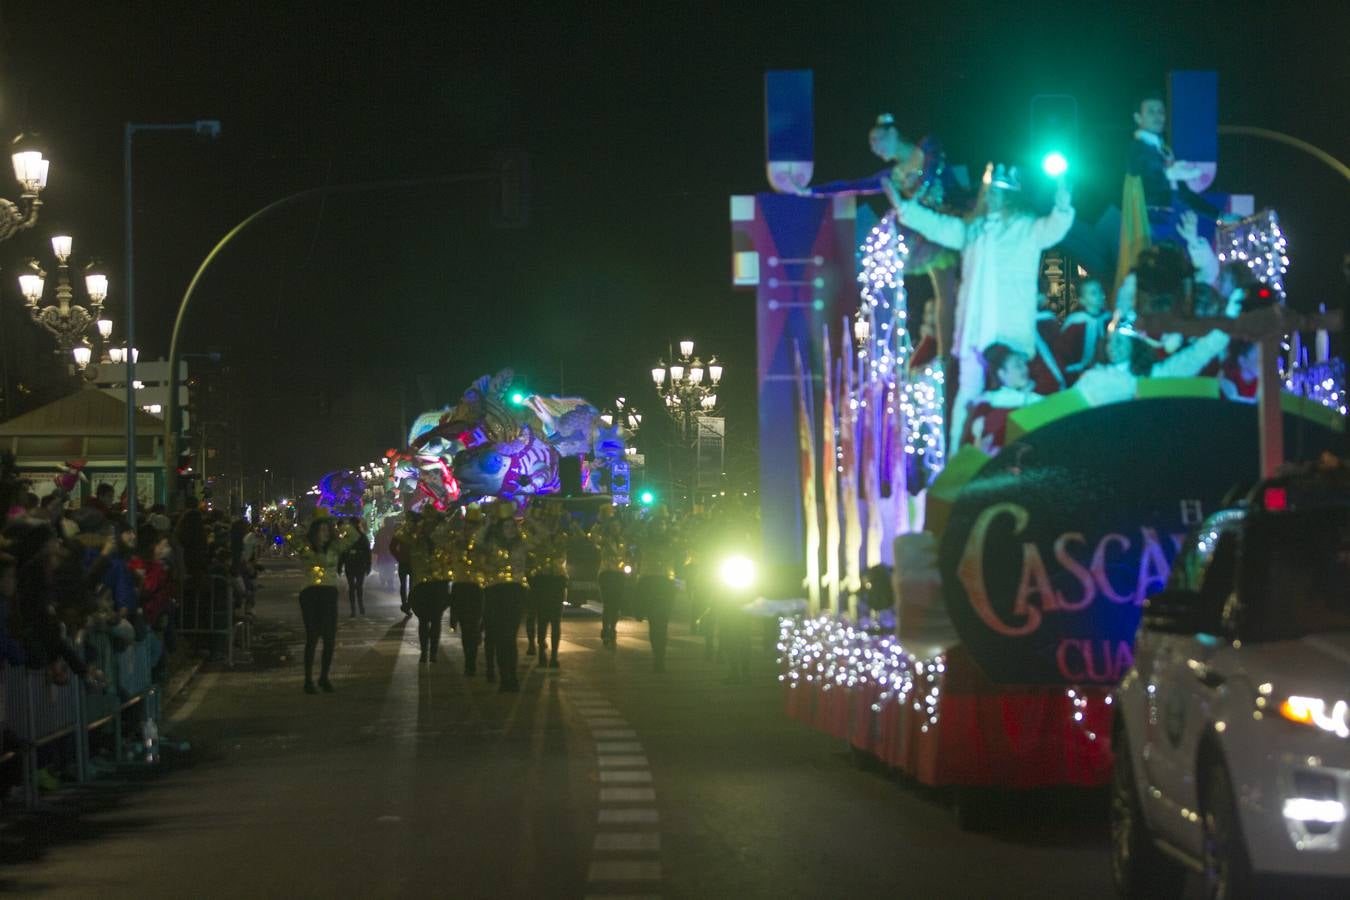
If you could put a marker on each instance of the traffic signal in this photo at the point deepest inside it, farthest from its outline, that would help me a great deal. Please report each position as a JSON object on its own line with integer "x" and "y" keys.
{"x": 517, "y": 398}
{"x": 511, "y": 197}
{"x": 1054, "y": 131}
{"x": 646, "y": 497}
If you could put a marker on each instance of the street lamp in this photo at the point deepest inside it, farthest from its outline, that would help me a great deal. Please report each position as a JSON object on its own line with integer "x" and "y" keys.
{"x": 690, "y": 390}
{"x": 30, "y": 170}
{"x": 71, "y": 324}
{"x": 209, "y": 128}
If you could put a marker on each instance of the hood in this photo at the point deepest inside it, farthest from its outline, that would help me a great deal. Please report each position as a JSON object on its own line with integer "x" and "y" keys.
{"x": 1317, "y": 665}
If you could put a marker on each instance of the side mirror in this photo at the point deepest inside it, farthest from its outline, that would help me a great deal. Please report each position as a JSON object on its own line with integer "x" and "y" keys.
{"x": 1175, "y": 611}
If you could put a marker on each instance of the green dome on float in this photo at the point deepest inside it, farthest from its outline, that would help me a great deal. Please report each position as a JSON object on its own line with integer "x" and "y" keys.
{"x": 1048, "y": 549}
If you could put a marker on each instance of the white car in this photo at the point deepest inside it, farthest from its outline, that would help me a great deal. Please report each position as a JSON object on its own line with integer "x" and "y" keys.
{"x": 1232, "y": 736}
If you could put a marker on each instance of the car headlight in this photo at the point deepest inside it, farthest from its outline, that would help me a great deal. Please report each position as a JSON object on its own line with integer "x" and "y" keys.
{"x": 1315, "y": 711}
{"x": 737, "y": 572}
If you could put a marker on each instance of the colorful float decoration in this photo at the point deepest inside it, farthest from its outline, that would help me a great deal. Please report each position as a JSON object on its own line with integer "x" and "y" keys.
{"x": 504, "y": 444}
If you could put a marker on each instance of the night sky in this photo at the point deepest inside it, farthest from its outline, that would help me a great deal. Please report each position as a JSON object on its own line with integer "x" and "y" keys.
{"x": 639, "y": 119}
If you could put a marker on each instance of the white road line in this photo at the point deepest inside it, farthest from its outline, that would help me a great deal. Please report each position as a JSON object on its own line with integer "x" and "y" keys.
{"x": 622, "y": 762}
{"x": 607, "y": 722}
{"x": 614, "y": 733}
{"x": 625, "y": 871}
{"x": 627, "y": 795}
{"x": 623, "y": 897}
{"x": 634, "y": 816}
{"x": 602, "y": 747}
{"x": 626, "y": 841}
{"x": 626, "y": 776}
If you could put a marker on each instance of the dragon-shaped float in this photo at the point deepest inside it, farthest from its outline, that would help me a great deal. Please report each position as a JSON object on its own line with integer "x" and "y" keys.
{"x": 494, "y": 443}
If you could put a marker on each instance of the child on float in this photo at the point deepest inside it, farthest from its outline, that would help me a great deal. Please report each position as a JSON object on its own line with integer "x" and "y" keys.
{"x": 987, "y": 419}
{"x": 1083, "y": 330}
{"x": 1241, "y": 376}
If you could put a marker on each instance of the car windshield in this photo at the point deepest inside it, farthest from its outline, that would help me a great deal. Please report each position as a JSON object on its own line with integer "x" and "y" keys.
{"x": 1296, "y": 570}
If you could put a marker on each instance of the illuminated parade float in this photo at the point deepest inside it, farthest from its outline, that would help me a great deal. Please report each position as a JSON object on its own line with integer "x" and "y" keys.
{"x": 977, "y": 554}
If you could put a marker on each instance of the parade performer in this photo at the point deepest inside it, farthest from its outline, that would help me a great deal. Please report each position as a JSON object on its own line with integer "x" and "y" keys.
{"x": 548, "y": 528}
{"x": 466, "y": 591}
{"x": 430, "y": 549}
{"x": 1000, "y": 255}
{"x": 398, "y": 548}
{"x": 608, "y": 537}
{"x": 356, "y": 563}
{"x": 504, "y": 555}
{"x": 321, "y": 548}
{"x": 915, "y": 171}
{"x": 656, "y": 583}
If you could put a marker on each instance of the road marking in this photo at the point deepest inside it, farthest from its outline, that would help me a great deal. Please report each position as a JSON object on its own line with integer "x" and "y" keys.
{"x": 622, "y": 762}
{"x": 199, "y": 693}
{"x": 618, "y": 747}
{"x": 627, "y": 795}
{"x": 625, "y": 871}
{"x": 608, "y": 722}
{"x": 634, "y": 816}
{"x": 626, "y": 776}
{"x": 625, "y": 841}
{"x": 615, "y": 733}
{"x": 623, "y": 897}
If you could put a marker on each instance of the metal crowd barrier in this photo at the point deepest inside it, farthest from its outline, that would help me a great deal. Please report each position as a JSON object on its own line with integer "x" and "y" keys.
{"x": 212, "y": 614}
{"x": 38, "y": 713}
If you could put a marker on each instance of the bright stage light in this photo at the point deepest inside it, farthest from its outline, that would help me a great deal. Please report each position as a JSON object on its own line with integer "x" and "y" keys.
{"x": 1055, "y": 164}
{"x": 738, "y": 572}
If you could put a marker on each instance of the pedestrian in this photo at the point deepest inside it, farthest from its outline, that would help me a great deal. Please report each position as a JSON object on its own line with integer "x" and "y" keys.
{"x": 656, "y": 583}
{"x": 356, "y": 564}
{"x": 504, "y": 555}
{"x": 321, "y": 547}
{"x": 466, "y": 590}
{"x": 430, "y": 553}
{"x": 608, "y": 536}
{"x": 549, "y": 528}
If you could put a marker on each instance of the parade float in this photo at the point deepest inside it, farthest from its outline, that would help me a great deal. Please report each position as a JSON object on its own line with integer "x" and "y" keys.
{"x": 495, "y": 443}
{"x": 1017, "y": 573}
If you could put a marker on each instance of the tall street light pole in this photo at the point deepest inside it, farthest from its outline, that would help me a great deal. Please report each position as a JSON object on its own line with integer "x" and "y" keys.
{"x": 209, "y": 128}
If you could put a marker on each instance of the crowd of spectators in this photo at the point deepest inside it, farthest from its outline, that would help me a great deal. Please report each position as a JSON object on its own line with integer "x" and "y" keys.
{"x": 72, "y": 572}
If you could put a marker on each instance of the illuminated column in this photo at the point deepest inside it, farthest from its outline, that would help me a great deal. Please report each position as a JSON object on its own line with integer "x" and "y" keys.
{"x": 797, "y": 253}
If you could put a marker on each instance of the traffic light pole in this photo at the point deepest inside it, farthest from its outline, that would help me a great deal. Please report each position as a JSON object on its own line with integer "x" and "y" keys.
{"x": 171, "y": 415}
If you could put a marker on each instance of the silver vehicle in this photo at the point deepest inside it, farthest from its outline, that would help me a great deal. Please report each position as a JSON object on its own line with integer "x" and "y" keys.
{"x": 1232, "y": 735}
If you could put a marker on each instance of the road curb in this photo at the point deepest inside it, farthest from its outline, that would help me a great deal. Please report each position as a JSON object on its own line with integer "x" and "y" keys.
{"x": 179, "y": 681}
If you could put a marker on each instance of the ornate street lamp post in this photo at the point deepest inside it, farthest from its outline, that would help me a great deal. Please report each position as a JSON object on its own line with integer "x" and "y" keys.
{"x": 72, "y": 325}
{"x": 30, "y": 169}
{"x": 688, "y": 390}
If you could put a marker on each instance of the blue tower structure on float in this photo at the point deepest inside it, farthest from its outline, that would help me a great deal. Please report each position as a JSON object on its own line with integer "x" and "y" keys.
{"x": 797, "y": 252}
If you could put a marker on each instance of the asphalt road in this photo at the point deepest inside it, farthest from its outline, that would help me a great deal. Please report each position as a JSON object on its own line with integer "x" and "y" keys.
{"x": 600, "y": 778}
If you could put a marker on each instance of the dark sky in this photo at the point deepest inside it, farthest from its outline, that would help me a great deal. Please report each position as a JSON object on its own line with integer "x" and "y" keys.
{"x": 640, "y": 119}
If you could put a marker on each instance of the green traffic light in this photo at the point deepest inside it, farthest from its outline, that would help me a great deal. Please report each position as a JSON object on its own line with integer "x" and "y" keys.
{"x": 517, "y": 398}
{"x": 1054, "y": 164}
{"x": 646, "y": 498}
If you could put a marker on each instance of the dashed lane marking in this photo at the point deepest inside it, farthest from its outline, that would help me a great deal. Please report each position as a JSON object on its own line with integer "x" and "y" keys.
{"x": 627, "y": 795}
{"x": 625, "y": 776}
{"x": 603, "y": 747}
{"x": 628, "y": 816}
{"x": 627, "y": 841}
{"x": 625, "y": 870}
{"x": 616, "y": 761}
